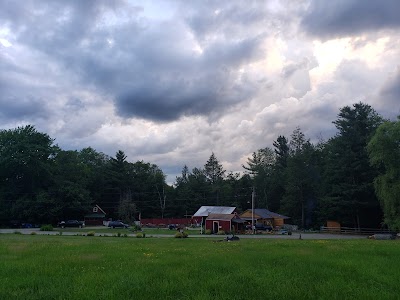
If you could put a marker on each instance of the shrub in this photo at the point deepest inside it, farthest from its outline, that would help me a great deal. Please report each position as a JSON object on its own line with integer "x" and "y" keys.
{"x": 208, "y": 231}
{"x": 140, "y": 235}
{"x": 221, "y": 232}
{"x": 91, "y": 233}
{"x": 47, "y": 227}
{"x": 125, "y": 235}
{"x": 181, "y": 235}
{"x": 17, "y": 232}
{"x": 33, "y": 233}
{"x": 119, "y": 234}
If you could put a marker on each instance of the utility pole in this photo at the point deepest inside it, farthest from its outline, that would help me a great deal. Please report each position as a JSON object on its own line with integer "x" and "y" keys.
{"x": 252, "y": 210}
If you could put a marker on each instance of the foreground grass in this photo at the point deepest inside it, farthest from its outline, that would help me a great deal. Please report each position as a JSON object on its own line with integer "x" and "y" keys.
{"x": 72, "y": 267}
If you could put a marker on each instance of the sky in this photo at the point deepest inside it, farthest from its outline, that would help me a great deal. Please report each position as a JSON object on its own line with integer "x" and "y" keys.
{"x": 170, "y": 82}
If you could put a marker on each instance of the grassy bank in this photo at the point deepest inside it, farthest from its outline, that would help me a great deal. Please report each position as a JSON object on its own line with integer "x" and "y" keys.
{"x": 73, "y": 267}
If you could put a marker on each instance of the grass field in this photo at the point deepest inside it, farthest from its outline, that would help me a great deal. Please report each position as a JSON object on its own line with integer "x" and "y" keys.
{"x": 81, "y": 267}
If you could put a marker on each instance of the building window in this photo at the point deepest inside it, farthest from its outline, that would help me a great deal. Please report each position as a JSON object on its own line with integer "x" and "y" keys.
{"x": 95, "y": 209}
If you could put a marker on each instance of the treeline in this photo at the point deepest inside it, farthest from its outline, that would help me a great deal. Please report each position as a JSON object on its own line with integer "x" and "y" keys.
{"x": 353, "y": 178}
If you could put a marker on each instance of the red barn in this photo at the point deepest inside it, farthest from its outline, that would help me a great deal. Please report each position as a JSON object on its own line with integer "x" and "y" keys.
{"x": 224, "y": 222}
{"x": 96, "y": 217}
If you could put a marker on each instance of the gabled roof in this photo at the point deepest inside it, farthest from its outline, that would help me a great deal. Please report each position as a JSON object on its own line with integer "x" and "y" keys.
{"x": 99, "y": 208}
{"x": 267, "y": 214}
{"x": 96, "y": 212}
{"x": 205, "y": 211}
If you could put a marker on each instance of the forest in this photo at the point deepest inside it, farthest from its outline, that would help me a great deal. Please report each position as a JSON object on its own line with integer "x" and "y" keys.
{"x": 353, "y": 178}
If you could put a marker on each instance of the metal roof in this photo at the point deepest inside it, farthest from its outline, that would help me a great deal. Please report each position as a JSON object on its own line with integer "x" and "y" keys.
{"x": 205, "y": 211}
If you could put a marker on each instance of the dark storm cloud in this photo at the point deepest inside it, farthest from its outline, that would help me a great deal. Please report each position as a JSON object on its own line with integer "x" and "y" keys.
{"x": 158, "y": 71}
{"x": 328, "y": 19}
{"x": 26, "y": 108}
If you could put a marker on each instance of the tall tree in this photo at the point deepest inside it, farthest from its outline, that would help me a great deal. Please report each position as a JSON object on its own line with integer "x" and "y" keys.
{"x": 120, "y": 177}
{"x": 215, "y": 174}
{"x": 384, "y": 152}
{"x": 260, "y": 167}
{"x": 70, "y": 186}
{"x": 26, "y": 158}
{"x": 349, "y": 192}
{"x": 301, "y": 180}
{"x": 213, "y": 170}
{"x": 277, "y": 186}
{"x": 281, "y": 151}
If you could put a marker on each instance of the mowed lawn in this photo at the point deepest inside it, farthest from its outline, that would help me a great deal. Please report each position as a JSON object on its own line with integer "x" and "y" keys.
{"x": 82, "y": 267}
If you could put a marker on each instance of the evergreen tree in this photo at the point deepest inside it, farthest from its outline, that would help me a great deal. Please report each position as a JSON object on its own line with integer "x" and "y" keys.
{"x": 301, "y": 180}
{"x": 349, "y": 192}
{"x": 214, "y": 174}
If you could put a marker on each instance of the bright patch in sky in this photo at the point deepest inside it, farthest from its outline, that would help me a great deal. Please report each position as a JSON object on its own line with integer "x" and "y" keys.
{"x": 5, "y": 43}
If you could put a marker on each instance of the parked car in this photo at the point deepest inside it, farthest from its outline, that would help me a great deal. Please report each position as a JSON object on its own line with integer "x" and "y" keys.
{"x": 260, "y": 227}
{"x": 71, "y": 223}
{"x": 263, "y": 227}
{"x": 171, "y": 226}
{"x": 117, "y": 224}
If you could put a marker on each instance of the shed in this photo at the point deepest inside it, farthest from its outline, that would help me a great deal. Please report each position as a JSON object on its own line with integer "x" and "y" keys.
{"x": 96, "y": 217}
{"x": 224, "y": 222}
{"x": 204, "y": 211}
{"x": 264, "y": 216}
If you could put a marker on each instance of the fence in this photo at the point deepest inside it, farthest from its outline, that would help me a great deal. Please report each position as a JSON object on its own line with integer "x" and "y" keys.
{"x": 357, "y": 231}
{"x": 164, "y": 222}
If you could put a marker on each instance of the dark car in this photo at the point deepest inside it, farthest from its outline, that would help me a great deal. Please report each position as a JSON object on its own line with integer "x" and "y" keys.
{"x": 171, "y": 226}
{"x": 117, "y": 224}
{"x": 263, "y": 227}
{"x": 71, "y": 223}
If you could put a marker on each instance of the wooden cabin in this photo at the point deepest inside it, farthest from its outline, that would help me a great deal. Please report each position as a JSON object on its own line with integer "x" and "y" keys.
{"x": 264, "y": 216}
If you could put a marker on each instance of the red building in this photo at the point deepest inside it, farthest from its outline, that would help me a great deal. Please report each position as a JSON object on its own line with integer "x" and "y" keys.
{"x": 96, "y": 217}
{"x": 224, "y": 222}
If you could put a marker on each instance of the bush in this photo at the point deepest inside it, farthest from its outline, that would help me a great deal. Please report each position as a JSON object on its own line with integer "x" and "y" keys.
{"x": 208, "y": 231}
{"x": 91, "y": 233}
{"x": 125, "y": 235}
{"x": 17, "y": 232}
{"x": 119, "y": 234}
{"x": 181, "y": 235}
{"x": 33, "y": 233}
{"x": 47, "y": 227}
{"x": 140, "y": 235}
{"x": 221, "y": 232}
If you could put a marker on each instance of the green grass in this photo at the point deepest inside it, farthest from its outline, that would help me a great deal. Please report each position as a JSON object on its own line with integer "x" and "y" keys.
{"x": 74, "y": 267}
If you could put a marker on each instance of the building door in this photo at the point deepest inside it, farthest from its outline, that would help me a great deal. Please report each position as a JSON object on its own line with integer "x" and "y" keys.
{"x": 215, "y": 226}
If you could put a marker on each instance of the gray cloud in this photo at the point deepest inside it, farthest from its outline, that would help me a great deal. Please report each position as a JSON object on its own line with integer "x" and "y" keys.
{"x": 391, "y": 89}
{"x": 159, "y": 72}
{"x": 329, "y": 19}
{"x": 27, "y": 108}
{"x": 172, "y": 81}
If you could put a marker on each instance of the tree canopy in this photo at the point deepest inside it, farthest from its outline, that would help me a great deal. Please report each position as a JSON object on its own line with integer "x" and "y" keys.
{"x": 340, "y": 179}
